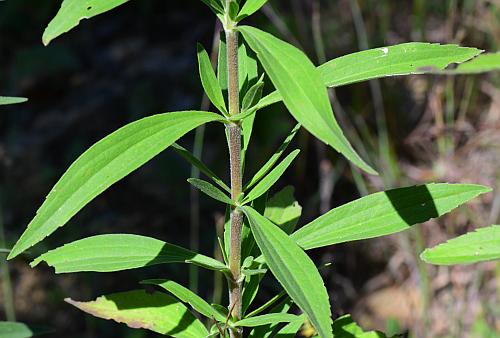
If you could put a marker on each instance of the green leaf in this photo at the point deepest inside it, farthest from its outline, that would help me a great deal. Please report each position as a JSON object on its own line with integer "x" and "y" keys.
{"x": 302, "y": 89}
{"x": 210, "y": 190}
{"x": 188, "y": 156}
{"x": 252, "y": 96}
{"x": 20, "y": 330}
{"x": 403, "y": 59}
{"x": 294, "y": 270}
{"x": 187, "y": 296}
{"x": 116, "y": 252}
{"x": 104, "y": 164}
{"x": 272, "y": 161}
{"x": 267, "y": 331}
{"x": 283, "y": 210}
{"x": 209, "y": 80}
{"x": 138, "y": 309}
{"x": 267, "y": 182}
{"x": 477, "y": 246}
{"x": 215, "y": 5}
{"x": 269, "y": 318}
{"x": 346, "y": 327}
{"x": 250, "y": 7}
{"x": 74, "y": 11}
{"x": 5, "y": 100}
{"x": 483, "y": 63}
{"x": 384, "y": 213}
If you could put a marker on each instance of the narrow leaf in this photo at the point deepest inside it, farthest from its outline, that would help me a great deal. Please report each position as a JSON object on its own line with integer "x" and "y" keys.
{"x": 188, "y": 156}
{"x": 267, "y": 182}
{"x": 209, "y": 80}
{"x": 477, "y": 246}
{"x": 384, "y": 213}
{"x": 272, "y": 161}
{"x": 303, "y": 91}
{"x": 210, "y": 190}
{"x": 5, "y": 100}
{"x": 269, "y": 318}
{"x": 104, "y": 164}
{"x": 252, "y": 96}
{"x": 283, "y": 210}
{"x": 138, "y": 309}
{"x": 74, "y": 11}
{"x": 250, "y": 7}
{"x": 294, "y": 270}
{"x": 116, "y": 252}
{"x": 20, "y": 330}
{"x": 290, "y": 330}
{"x": 403, "y": 59}
{"x": 187, "y": 296}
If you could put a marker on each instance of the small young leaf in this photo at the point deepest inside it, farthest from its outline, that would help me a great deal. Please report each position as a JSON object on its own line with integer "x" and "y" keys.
{"x": 5, "y": 100}
{"x": 290, "y": 330}
{"x": 139, "y": 309}
{"x": 385, "y": 213}
{"x": 215, "y": 5}
{"x": 74, "y": 11}
{"x": 346, "y": 327}
{"x": 477, "y": 246}
{"x": 403, "y": 59}
{"x": 250, "y": 7}
{"x": 234, "y": 8}
{"x": 294, "y": 270}
{"x": 252, "y": 96}
{"x": 268, "y": 181}
{"x": 200, "y": 165}
{"x": 283, "y": 210}
{"x": 303, "y": 91}
{"x": 269, "y": 318}
{"x": 210, "y": 190}
{"x": 20, "y": 330}
{"x": 483, "y": 63}
{"x": 104, "y": 164}
{"x": 209, "y": 80}
{"x": 187, "y": 296}
{"x": 116, "y": 252}
{"x": 272, "y": 161}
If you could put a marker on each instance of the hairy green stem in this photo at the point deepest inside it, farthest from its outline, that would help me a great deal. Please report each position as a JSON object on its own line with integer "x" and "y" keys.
{"x": 234, "y": 133}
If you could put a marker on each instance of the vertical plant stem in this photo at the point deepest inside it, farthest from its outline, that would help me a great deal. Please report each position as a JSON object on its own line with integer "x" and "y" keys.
{"x": 234, "y": 133}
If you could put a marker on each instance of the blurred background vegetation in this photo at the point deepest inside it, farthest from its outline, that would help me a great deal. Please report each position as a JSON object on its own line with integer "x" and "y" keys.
{"x": 140, "y": 59}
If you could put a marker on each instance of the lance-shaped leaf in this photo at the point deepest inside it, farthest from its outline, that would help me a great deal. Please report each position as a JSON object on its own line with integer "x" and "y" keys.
{"x": 269, "y": 318}
{"x": 139, "y": 309}
{"x": 290, "y": 330}
{"x": 477, "y": 246}
{"x": 384, "y": 213}
{"x": 210, "y": 190}
{"x": 294, "y": 270}
{"x": 267, "y": 182}
{"x": 483, "y": 63}
{"x": 403, "y": 59}
{"x": 20, "y": 330}
{"x": 116, "y": 252}
{"x": 187, "y": 296}
{"x": 72, "y": 12}
{"x": 272, "y": 161}
{"x": 105, "y": 163}
{"x": 209, "y": 80}
{"x": 250, "y": 7}
{"x": 188, "y": 156}
{"x": 302, "y": 90}
{"x": 5, "y": 100}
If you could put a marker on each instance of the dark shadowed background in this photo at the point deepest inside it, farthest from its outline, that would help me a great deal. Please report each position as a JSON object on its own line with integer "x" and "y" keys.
{"x": 140, "y": 59}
